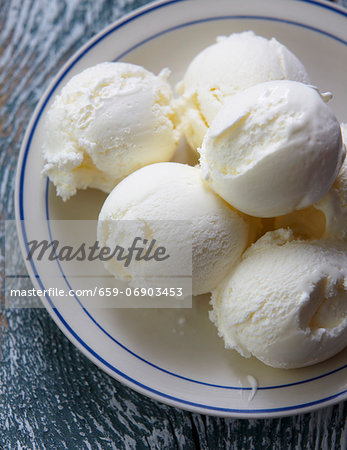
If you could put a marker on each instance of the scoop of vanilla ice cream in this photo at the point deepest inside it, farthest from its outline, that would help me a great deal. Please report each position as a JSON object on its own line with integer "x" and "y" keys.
{"x": 327, "y": 218}
{"x": 175, "y": 192}
{"x": 273, "y": 148}
{"x": 286, "y": 301}
{"x": 108, "y": 121}
{"x": 223, "y": 69}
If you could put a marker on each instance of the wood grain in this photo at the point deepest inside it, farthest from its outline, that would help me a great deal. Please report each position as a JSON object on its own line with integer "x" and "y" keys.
{"x": 51, "y": 396}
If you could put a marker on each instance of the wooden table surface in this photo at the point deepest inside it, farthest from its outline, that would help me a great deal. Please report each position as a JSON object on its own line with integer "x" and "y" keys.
{"x": 51, "y": 396}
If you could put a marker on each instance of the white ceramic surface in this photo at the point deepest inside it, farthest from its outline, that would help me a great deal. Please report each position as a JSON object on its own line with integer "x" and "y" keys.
{"x": 183, "y": 362}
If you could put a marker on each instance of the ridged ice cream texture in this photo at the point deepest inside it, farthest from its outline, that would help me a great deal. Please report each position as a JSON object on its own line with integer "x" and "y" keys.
{"x": 108, "y": 121}
{"x": 286, "y": 301}
{"x": 326, "y": 219}
{"x": 174, "y": 192}
{"x": 273, "y": 148}
{"x": 225, "y": 68}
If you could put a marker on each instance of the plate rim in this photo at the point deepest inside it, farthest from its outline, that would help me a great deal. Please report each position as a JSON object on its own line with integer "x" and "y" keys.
{"x": 204, "y": 409}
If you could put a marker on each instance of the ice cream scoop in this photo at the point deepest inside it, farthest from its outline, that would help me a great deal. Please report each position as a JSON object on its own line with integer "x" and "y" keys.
{"x": 164, "y": 192}
{"x": 273, "y": 148}
{"x": 225, "y": 68}
{"x": 327, "y": 218}
{"x": 286, "y": 301}
{"x": 108, "y": 121}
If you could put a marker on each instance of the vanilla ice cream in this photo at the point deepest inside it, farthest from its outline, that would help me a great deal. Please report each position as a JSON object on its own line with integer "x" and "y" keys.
{"x": 273, "y": 148}
{"x": 327, "y": 218}
{"x": 165, "y": 192}
{"x": 286, "y": 302}
{"x": 223, "y": 69}
{"x": 108, "y": 121}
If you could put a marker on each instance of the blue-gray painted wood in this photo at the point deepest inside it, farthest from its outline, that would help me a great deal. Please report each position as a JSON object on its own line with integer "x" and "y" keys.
{"x": 51, "y": 396}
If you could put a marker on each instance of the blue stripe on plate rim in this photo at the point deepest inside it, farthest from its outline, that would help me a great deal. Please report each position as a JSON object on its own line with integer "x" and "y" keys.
{"x": 118, "y": 25}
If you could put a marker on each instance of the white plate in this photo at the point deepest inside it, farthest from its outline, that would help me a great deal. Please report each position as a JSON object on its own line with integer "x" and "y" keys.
{"x": 150, "y": 350}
